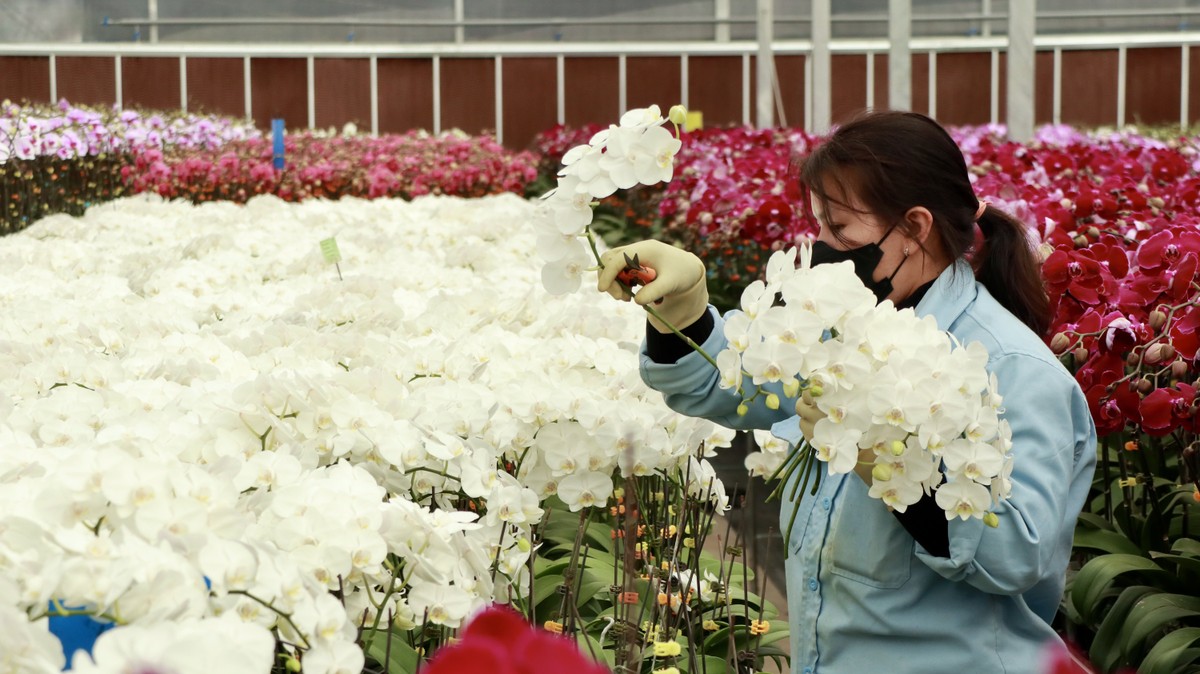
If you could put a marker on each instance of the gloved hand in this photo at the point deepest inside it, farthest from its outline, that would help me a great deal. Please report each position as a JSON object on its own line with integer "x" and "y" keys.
{"x": 810, "y": 414}
{"x": 679, "y": 289}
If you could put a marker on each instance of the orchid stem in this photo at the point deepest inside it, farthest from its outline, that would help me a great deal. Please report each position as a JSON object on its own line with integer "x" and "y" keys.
{"x": 651, "y": 310}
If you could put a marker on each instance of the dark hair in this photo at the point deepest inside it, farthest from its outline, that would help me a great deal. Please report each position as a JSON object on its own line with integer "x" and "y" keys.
{"x": 894, "y": 161}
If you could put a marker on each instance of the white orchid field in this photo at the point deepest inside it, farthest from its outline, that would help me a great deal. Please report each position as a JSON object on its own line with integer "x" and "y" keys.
{"x": 236, "y": 457}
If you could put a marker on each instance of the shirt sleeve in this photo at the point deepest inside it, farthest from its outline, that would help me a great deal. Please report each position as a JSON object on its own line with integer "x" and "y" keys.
{"x": 668, "y": 348}
{"x": 1054, "y": 458}
{"x": 691, "y": 385}
{"x": 926, "y": 523}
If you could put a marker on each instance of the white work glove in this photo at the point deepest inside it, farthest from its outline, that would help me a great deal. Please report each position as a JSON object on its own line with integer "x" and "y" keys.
{"x": 679, "y": 290}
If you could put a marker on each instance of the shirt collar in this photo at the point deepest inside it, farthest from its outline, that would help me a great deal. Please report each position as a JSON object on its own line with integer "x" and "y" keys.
{"x": 953, "y": 290}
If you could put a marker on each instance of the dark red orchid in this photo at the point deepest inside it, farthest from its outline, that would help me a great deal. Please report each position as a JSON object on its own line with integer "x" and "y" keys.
{"x": 1168, "y": 247}
{"x": 1165, "y": 409}
{"x": 1185, "y": 333}
{"x": 500, "y": 641}
{"x": 1079, "y": 273}
{"x": 1168, "y": 166}
{"x": 1106, "y": 411}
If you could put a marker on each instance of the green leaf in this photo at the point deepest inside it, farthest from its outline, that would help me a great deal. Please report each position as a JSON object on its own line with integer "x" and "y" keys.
{"x": 1095, "y": 521}
{"x": 1153, "y": 613}
{"x": 714, "y": 566}
{"x": 550, "y": 569}
{"x": 1154, "y": 531}
{"x": 1105, "y": 541}
{"x": 1096, "y": 577}
{"x": 561, "y": 532}
{"x": 544, "y": 590}
{"x": 1106, "y": 646}
{"x": 737, "y": 609}
{"x": 593, "y": 588}
{"x": 586, "y": 641}
{"x": 1165, "y": 657}
{"x": 773, "y": 636}
{"x": 1187, "y": 546}
{"x": 717, "y": 642}
{"x": 1186, "y": 662}
{"x": 1182, "y": 563}
{"x": 402, "y": 660}
{"x": 707, "y": 665}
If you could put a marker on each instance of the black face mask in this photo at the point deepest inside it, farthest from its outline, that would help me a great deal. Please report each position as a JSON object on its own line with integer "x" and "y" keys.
{"x": 865, "y": 258}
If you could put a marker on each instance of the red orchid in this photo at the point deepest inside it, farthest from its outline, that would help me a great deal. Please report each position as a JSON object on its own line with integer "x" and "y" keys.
{"x": 1106, "y": 411}
{"x": 336, "y": 167}
{"x": 1065, "y": 660}
{"x": 500, "y": 641}
{"x": 1168, "y": 247}
{"x": 1165, "y": 409}
{"x": 1185, "y": 333}
{"x": 1077, "y": 272}
{"x": 1168, "y": 166}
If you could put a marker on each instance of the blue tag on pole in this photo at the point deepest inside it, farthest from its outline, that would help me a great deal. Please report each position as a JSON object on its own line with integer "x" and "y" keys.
{"x": 277, "y": 136}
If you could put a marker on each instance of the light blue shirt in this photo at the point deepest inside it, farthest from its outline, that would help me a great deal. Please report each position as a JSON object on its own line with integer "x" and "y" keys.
{"x": 863, "y": 596}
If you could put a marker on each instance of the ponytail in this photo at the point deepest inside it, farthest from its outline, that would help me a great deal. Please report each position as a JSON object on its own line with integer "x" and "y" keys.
{"x": 897, "y": 160}
{"x": 1007, "y": 265}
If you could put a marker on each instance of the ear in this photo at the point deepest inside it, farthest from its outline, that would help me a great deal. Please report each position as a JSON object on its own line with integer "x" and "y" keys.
{"x": 920, "y": 223}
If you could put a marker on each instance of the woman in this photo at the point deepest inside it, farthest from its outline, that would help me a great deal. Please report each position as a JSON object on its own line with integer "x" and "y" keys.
{"x": 868, "y": 587}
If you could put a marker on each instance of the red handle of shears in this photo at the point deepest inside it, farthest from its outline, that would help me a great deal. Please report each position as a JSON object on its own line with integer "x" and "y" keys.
{"x": 632, "y": 277}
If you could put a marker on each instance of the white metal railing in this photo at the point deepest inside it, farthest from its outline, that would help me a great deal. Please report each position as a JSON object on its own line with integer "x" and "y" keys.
{"x": 461, "y": 22}
{"x": 1056, "y": 44}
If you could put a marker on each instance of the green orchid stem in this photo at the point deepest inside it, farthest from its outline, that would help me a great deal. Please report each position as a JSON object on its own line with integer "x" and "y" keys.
{"x": 591, "y": 239}
{"x": 651, "y": 310}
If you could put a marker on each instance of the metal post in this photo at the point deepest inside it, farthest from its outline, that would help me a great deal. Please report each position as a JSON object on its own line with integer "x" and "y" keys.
{"x": 932, "y": 84}
{"x": 183, "y": 94}
{"x": 870, "y": 80}
{"x": 310, "y": 87}
{"x": 152, "y": 13}
{"x": 822, "y": 70}
{"x": 765, "y": 99}
{"x": 721, "y": 14}
{"x": 994, "y": 96}
{"x": 459, "y": 16}
{"x": 986, "y": 10}
{"x": 120, "y": 84}
{"x": 622, "y": 85}
{"x": 498, "y": 85}
{"x": 560, "y": 86}
{"x": 899, "y": 55}
{"x": 247, "y": 89}
{"x": 1122, "y": 83}
{"x": 374, "y": 66}
{"x": 1185, "y": 78}
{"x": 683, "y": 79}
{"x": 1021, "y": 29}
{"x": 745, "y": 89}
{"x": 437, "y": 94}
{"x": 1056, "y": 100}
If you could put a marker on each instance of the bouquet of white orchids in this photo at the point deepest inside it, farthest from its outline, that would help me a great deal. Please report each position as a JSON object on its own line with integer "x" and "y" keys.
{"x": 896, "y": 391}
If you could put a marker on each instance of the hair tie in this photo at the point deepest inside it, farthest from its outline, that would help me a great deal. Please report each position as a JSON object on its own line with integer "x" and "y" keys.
{"x": 983, "y": 205}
